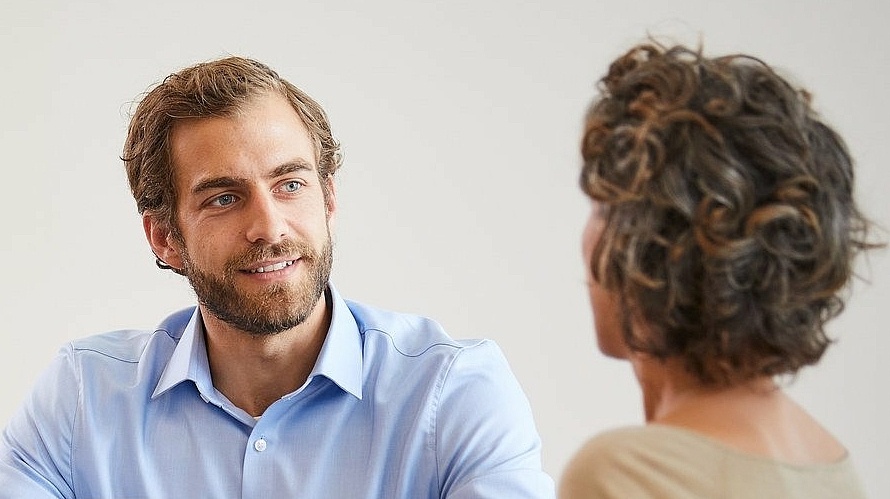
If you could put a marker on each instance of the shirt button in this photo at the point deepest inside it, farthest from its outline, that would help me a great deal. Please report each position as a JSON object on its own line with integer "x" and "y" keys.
{"x": 260, "y": 445}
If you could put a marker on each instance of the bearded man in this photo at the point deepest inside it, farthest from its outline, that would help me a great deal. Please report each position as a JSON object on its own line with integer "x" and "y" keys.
{"x": 273, "y": 385}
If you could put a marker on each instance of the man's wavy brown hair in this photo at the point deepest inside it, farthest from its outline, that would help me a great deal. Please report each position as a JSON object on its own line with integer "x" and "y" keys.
{"x": 216, "y": 88}
{"x": 730, "y": 224}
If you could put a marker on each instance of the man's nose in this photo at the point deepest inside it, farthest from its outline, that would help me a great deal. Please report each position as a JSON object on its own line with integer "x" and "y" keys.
{"x": 267, "y": 222}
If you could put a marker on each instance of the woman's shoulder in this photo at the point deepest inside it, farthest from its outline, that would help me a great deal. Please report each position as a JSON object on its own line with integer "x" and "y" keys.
{"x": 650, "y": 439}
{"x": 665, "y": 461}
{"x": 642, "y": 461}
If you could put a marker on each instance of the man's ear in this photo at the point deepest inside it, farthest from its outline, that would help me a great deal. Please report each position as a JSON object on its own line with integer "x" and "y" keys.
{"x": 161, "y": 241}
{"x": 331, "y": 198}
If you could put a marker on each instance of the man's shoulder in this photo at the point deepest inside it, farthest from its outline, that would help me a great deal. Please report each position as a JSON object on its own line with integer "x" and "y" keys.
{"x": 129, "y": 345}
{"x": 409, "y": 334}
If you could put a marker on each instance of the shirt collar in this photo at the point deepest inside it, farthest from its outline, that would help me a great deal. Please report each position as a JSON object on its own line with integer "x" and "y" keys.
{"x": 340, "y": 359}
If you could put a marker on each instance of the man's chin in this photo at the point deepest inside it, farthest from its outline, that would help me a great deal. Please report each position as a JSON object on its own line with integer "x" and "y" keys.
{"x": 257, "y": 324}
{"x": 266, "y": 315}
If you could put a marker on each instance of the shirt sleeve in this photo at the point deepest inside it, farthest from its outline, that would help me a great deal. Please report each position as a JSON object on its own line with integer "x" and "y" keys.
{"x": 486, "y": 442}
{"x": 35, "y": 449}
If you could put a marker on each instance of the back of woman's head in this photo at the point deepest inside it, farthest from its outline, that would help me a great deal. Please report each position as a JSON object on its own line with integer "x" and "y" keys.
{"x": 731, "y": 226}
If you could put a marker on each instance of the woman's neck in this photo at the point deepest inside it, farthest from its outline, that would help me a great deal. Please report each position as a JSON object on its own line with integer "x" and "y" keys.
{"x": 755, "y": 417}
{"x": 668, "y": 388}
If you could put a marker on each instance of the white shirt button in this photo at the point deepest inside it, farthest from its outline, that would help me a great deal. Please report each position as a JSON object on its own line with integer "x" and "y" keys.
{"x": 260, "y": 445}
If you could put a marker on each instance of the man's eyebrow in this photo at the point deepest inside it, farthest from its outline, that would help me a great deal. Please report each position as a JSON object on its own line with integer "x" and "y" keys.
{"x": 291, "y": 167}
{"x": 218, "y": 183}
{"x": 229, "y": 182}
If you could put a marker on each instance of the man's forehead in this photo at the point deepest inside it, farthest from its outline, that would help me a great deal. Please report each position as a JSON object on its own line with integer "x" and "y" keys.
{"x": 267, "y": 137}
{"x": 264, "y": 103}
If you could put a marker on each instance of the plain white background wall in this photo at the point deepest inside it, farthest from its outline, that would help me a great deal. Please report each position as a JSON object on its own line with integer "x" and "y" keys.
{"x": 460, "y": 124}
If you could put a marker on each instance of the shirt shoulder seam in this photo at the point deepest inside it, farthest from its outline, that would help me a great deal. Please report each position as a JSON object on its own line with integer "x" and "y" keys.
{"x": 77, "y": 349}
{"x": 77, "y": 409}
{"x": 453, "y": 345}
{"x": 440, "y": 388}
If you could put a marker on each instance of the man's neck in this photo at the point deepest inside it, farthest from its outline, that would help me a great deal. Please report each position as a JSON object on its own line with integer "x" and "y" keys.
{"x": 253, "y": 371}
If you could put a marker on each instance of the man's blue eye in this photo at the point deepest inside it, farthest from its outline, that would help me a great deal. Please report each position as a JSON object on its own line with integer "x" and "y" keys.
{"x": 292, "y": 186}
{"x": 225, "y": 200}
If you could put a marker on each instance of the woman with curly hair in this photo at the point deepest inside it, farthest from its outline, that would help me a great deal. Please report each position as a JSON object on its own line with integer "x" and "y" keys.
{"x": 721, "y": 239}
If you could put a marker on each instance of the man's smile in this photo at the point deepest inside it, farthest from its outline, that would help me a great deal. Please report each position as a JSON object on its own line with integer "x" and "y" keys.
{"x": 272, "y": 267}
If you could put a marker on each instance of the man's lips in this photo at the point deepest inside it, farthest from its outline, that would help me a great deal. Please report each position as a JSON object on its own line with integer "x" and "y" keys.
{"x": 270, "y": 267}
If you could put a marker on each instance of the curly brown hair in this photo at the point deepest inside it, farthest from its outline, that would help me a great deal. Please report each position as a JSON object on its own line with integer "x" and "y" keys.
{"x": 215, "y": 88}
{"x": 730, "y": 224}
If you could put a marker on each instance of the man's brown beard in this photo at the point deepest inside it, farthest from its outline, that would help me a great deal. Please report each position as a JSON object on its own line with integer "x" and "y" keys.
{"x": 277, "y": 308}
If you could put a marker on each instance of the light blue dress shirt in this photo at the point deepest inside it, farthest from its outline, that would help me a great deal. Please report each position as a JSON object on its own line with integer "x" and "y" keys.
{"x": 393, "y": 408}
